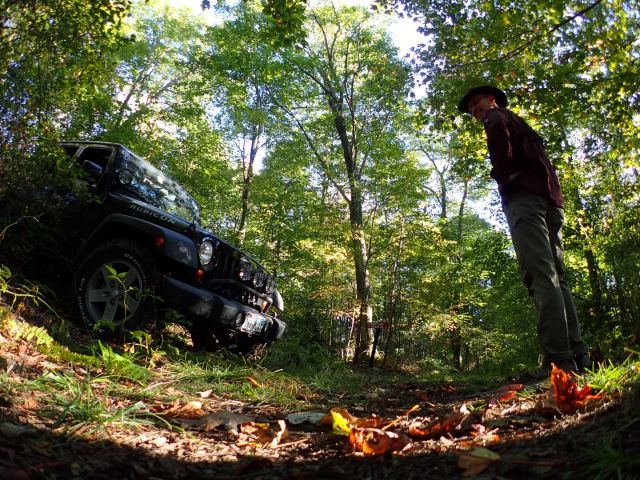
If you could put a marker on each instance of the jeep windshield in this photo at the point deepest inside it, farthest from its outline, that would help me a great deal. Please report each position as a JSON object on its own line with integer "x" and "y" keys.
{"x": 149, "y": 184}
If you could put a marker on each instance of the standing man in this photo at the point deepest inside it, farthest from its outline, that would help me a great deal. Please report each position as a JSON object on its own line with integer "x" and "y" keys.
{"x": 534, "y": 207}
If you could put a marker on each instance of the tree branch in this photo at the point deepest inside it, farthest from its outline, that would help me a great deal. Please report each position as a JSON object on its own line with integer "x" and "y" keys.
{"x": 313, "y": 148}
{"x": 524, "y": 46}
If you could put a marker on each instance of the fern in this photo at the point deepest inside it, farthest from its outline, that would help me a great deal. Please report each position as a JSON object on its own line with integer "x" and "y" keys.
{"x": 120, "y": 365}
{"x": 32, "y": 334}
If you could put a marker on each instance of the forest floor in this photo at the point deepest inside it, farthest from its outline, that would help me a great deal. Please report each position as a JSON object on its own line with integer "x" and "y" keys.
{"x": 185, "y": 415}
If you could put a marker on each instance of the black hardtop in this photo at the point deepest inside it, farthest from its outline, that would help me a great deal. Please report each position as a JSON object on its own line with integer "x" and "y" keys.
{"x": 92, "y": 142}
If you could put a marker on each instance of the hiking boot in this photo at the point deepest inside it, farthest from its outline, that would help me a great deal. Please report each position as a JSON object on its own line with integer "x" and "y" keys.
{"x": 568, "y": 365}
{"x": 540, "y": 373}
{"x": 583, "y": 362}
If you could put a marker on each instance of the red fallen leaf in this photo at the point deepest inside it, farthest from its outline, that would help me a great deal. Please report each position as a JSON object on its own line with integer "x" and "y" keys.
{"x": 507, "y": 396}
{"x": 373, "y": 441}
{"x": 437, "y": 428}
{"x": 504, "y": 393}
{"x": 569, "y": 397}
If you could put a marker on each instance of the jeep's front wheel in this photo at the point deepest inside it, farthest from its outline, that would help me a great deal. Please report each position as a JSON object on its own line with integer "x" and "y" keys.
{"x": 114, "y": 286}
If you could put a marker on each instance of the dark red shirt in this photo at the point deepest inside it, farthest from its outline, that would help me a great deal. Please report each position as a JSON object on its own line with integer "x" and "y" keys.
{"x": 518, "y": 158}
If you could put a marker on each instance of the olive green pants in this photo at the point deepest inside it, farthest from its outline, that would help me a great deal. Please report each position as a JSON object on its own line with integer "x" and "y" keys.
{"x": 536, "y": 231}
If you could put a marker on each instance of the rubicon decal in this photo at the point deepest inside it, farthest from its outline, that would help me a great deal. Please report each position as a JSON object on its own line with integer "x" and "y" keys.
{"x": 158, "y": 215}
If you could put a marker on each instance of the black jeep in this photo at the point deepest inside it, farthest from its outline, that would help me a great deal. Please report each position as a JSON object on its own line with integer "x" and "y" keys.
{"x": 137, "y": 245}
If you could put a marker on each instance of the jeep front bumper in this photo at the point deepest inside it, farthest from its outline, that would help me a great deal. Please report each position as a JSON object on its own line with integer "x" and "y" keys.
{"x": 218, "y": 310}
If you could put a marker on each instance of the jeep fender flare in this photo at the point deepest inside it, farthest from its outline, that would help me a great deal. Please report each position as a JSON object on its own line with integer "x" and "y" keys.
{"x": 278, "y": 302}
{"x": 175, "y": 245}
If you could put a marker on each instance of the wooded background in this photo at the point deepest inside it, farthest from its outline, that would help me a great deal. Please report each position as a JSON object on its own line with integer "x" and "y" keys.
{"x": 298, "y": 130}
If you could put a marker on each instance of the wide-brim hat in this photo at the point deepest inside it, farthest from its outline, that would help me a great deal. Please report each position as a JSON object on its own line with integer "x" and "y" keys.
{"x": 499, "y": 95}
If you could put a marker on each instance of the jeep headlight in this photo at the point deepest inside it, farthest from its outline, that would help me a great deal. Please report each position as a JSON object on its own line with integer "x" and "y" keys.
{"x": 245, "y": 271}
{"x": 205, "y": 252}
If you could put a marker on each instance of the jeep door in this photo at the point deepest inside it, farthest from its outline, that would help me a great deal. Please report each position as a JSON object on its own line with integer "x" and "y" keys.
{"x": 83, "y": 206}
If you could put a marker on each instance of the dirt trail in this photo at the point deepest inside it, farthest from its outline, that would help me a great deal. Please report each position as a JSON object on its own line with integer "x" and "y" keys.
{"x": 531, "y": 437}
{"x": 454, "y": 431}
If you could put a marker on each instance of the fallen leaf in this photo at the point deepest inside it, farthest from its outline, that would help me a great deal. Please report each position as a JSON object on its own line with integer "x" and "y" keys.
{"x": 340, "y": 423}
{"x": 253, "y": 382}
{"x": 437, "y": 428}
{"x": 298, "y": 418}
{"x": 569, "y": 397}
{"x": 373, "y": 441}
{"x": 259, "y": 433}
{"x": 281, "y": 434}
{"x": 192, "y": 409}
{"x": 373, "y": 421}
{"x": 504, "y": 393}
{"x": 205, "y": 394}
{"x": 476, "y": 460}
{"x": 327, "y": 419}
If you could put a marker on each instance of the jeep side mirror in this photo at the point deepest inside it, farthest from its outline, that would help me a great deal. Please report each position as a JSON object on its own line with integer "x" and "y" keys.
{"x": 93, "y": 170}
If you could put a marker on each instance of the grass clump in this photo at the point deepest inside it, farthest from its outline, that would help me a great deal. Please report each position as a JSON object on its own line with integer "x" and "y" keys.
{"x": 614, "y": 379}
{"x": 88, "y": 405}
{"x": 616, "y": 460}
{"x": 617, "y": 456}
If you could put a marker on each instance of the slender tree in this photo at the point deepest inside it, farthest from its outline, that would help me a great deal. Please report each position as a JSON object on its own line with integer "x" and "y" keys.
{"x": 354, "y": 89}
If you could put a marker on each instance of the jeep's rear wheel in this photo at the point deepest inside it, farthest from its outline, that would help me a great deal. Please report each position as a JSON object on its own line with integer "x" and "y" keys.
{"x": 114, "y": 286}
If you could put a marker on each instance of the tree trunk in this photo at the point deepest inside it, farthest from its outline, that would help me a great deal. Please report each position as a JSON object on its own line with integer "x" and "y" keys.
{"x": 358, "y": 239}
{"x": 247, "y": 177}
{"x": 455, "y": 342}
{"x": 463, "y": 202}
{"x": 363, "y": 285}
{"x": 594, "y": 283}
{"x": 391, "y": 297}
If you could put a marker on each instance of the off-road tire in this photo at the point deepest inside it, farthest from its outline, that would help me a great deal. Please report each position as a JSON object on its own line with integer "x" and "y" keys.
{"x": 250, "y": 347}
{"x": 126, "y": 302}
{"x": 206, "y": 337}
{"x": 202, "y": 335}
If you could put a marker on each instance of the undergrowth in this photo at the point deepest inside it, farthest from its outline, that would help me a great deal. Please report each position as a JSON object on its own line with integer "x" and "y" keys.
{"x": 95, "y": 387}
